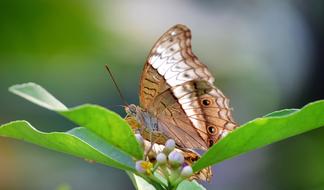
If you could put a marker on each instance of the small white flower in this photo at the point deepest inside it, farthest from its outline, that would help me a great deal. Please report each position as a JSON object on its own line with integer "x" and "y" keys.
{"x": 186, "y": 171}
{"x": 144, "y": 167}
{"x": 169, "y": 146}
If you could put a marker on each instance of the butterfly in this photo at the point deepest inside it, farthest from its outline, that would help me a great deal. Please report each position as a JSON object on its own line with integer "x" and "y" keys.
{"x": 177, "y": 97}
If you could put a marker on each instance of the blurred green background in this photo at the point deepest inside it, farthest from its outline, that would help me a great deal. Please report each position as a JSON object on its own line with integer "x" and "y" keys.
{"x": 265, "y": 55}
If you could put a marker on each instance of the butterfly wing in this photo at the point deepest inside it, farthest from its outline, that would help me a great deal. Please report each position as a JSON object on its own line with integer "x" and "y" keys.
{"x": 178, "y": 89}
{"x": 156, "y": 97}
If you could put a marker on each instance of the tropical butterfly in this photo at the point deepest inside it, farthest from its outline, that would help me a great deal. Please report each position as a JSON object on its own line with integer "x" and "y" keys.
{"x": 177, "y": 97}
{"x": 179, "y": 101}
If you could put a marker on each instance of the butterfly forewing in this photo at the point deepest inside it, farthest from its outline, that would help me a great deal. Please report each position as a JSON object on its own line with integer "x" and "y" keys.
{"x": 177, "y": 89}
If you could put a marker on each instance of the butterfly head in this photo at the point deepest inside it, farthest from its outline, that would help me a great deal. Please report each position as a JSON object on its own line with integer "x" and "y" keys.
{"x": 131, "y": 110}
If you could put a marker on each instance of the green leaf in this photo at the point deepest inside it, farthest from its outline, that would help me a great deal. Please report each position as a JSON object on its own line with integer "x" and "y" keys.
{"x": 79, "y": 142}
{"x": 37, "y": 95}
{"x": 104, "y": 123}
{"x": 139, "y": 183}
{"x": 108, "y": 125}
{"x": 281, "y": 113}
{"x": 191, "y": 185}
{"x": 101, "y": 145}
{"x": 263, "y": 131}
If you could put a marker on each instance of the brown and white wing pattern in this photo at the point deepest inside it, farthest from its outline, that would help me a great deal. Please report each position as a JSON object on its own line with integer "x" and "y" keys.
{"x": 178, "y": 89}
{"x": 158, "y": 102}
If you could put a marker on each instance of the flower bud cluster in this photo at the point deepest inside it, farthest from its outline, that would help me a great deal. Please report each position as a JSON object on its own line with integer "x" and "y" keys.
{"x": 170, "y": 163}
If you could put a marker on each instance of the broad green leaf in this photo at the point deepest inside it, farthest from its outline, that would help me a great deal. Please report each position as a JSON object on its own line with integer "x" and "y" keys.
{"x": 37, "y": 95}
{"x": 79, "y": 142}
{"x": 101, "y": 145}
{"x": 263, "y": 131}
{"x": 104, "y": 123}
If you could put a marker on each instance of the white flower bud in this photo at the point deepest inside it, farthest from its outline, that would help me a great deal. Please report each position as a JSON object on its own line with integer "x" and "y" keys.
{"x": 140, "y": 139}
{"x": 175, "y": 158}
{"x": 169, "y": 146}
{"x": 186, "y": 171}
{"x": 161, "y": 158}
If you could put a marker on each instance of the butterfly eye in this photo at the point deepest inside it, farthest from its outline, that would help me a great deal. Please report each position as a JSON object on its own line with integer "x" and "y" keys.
{"x": 211, "y": 142}
{"x": 206, "y": 102}
{"x": 211, "y": 130}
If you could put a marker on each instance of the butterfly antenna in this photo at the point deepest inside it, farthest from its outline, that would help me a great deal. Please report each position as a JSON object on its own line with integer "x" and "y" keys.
{"x": 113, "y": 79}
{"x": 115, "y": 106}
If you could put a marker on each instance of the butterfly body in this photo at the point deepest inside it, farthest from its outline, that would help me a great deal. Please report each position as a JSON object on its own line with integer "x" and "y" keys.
{"x": 145, "y": 123}
{"x": 177, "y": 96}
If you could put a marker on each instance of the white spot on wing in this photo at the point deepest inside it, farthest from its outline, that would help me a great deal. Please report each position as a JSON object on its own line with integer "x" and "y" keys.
{"x": 176, "y": 69}
{"x": 190, "y": 105}
{"x": 160, "y": 49}
{"x": 220, "y": 102}
{"x": 163, "y": 68}
{"x": 180, "y": 91}
{"x": 223, "y": 113}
